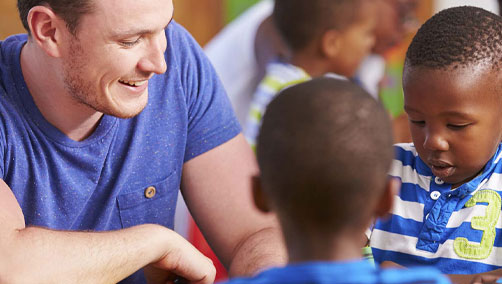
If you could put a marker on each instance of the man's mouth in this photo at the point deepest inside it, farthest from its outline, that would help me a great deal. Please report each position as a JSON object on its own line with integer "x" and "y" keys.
{"x": 133, "y": 83}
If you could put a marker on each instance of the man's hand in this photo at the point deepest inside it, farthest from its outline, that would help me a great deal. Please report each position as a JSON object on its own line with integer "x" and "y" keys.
{"x": 90, "y": 257}
{"x": 183, "y": 261}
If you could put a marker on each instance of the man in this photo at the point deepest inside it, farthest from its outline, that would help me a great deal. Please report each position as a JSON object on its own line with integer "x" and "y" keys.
{"x": 97, "y": 136}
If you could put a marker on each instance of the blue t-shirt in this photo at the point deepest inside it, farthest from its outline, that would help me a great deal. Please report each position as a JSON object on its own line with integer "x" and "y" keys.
{"x": 105, "y": 182}
{"x": 351, "y": 272}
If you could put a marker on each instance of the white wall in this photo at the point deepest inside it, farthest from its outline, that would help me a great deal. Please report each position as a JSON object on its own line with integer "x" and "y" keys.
{"x": 490, "y": 5}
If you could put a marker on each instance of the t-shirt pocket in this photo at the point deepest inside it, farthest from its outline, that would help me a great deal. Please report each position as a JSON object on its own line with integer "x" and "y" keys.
{"x": 153, "y": 203}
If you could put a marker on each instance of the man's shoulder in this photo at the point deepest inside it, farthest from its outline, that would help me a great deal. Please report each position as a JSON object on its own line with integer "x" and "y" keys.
{"x": 10, "y": 49}
{"x": 11, "y": 43}
{"x": 178, "y": 35}
{"x": 182, "y": 50}
{"x": 14, "y": 38}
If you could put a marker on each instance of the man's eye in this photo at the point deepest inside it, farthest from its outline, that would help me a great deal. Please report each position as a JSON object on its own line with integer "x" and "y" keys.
{"x": 130, "y": 43}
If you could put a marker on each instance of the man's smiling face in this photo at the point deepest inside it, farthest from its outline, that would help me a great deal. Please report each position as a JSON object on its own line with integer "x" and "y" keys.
{"x": 115, "y": 50}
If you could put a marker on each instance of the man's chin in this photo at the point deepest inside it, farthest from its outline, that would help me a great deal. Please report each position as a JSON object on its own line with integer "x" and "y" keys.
{"x": 126, "y": 115}
{"x": 124, "y": 112}
{"x": 127, "y": 110}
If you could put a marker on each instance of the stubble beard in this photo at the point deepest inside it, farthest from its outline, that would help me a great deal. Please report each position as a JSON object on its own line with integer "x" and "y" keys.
{"x": 81, "y": 90}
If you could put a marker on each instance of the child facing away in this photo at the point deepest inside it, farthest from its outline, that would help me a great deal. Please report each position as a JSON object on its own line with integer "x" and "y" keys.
{"x": 324, "y": 151}
{"x": 447, "y": 213}
{"x": 324, "y": 36}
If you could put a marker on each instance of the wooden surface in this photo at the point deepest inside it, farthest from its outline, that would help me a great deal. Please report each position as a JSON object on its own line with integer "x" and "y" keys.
{"x": 203, "y": 18}
{"x": 9, "y": 19}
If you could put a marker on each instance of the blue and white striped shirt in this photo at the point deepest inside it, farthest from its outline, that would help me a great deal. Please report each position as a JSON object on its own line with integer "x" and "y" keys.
{"x": 279, "y": 76}
{"x": 458, "y": 231}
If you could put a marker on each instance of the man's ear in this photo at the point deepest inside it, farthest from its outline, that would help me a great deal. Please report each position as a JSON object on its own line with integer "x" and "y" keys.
{"x": 259, "y": 197}
{"x": 331, "y": 43}
{"x": 387, "y": 198}
{"x": 46, "y": 29}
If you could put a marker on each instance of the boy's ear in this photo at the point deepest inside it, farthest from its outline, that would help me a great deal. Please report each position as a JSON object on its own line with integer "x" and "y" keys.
{"x": 331, "y": 43}
{"x": 259, "y": 197}
{"x": 46, "y": 29}
{"x": 387, "y": 198}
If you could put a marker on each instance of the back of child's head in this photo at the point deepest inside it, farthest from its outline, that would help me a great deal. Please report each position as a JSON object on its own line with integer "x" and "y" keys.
{"x": 300, "y": 22}
{"x": 324, "y": 150}
{"x": 457, "y": 37}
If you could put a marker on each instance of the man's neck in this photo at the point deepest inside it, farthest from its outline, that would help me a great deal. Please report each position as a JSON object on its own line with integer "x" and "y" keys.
{"x": 44, "y": 78}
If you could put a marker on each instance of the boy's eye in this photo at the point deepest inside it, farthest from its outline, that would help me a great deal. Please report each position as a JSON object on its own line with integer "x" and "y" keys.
{"x": 418, "y": 122}
{"x": 457, "y": 126}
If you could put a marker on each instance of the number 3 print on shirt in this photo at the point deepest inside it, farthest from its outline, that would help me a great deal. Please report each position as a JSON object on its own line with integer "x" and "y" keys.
{"x": 485, "y": 223}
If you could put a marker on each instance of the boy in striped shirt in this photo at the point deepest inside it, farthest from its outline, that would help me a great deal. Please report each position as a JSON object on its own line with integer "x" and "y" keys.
{"x": 447, "y": 213}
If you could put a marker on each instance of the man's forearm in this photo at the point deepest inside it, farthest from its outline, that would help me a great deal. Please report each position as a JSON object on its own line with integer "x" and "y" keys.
{"x": 257, "y": 252}
{"x": 36, "y": 255}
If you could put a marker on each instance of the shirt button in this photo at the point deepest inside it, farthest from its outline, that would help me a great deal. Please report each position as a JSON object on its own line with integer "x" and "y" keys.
{"x": 150, "y": 192}
{"x": 438, "y": 180}
{"x": 435, "y": 195}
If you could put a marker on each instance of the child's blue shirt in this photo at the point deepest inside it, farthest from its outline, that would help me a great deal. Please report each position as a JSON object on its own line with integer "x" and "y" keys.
{"x": 351, "y": 272}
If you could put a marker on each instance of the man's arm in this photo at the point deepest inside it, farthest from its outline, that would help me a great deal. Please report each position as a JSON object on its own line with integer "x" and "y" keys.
{"x": 36, "y": 255}
{"x": 217, "y": 189}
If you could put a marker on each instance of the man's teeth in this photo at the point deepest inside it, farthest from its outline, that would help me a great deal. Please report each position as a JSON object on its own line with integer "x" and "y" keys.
{"x": 133, "y": 83}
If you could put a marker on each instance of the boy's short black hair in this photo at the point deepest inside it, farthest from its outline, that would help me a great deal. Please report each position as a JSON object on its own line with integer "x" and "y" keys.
{"x": 324, "y": 151}
{"x": 457, "y": 37}
{"x": 301, "y": 21}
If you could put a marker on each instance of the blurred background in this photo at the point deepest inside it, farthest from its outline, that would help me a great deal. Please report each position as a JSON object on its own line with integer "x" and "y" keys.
{"x": 206, "y": 18}
{"x": 203, "y": 18}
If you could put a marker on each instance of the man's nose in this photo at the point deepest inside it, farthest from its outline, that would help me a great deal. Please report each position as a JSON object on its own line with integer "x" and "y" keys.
{"x": 154, "y": 61}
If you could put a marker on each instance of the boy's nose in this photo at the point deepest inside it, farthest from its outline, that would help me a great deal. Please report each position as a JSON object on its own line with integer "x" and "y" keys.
{"x": 435, "y": 142}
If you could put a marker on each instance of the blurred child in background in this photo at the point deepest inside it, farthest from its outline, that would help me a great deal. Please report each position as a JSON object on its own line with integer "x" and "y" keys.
{"x": 324, "y": 36}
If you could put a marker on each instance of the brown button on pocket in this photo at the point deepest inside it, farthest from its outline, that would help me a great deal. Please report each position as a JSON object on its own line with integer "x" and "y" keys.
{"x": 150, "y": 192}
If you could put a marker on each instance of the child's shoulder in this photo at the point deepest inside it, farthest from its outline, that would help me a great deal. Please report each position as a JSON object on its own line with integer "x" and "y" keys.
{"x": 343, "y": 272}
{"x": 405, "y": 154}
{"x": 413, "y": 275}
